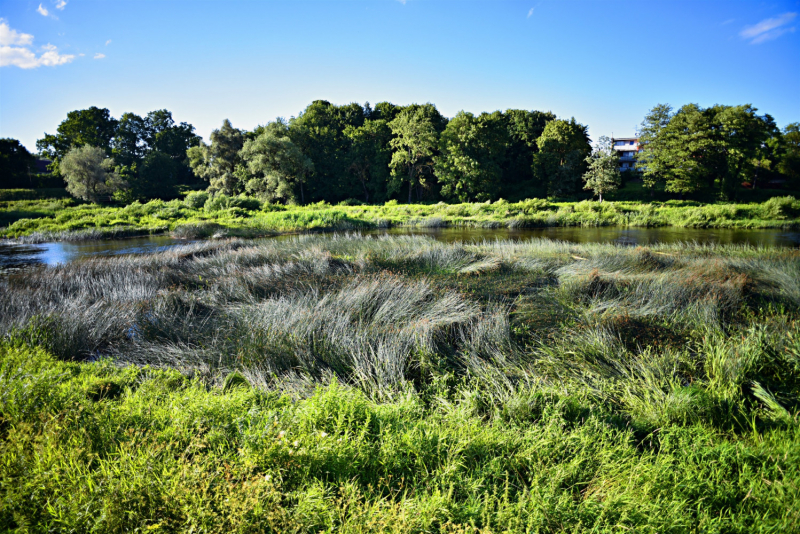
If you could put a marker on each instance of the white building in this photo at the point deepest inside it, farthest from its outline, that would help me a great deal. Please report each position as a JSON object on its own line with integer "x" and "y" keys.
{"x": 627, "y": 147}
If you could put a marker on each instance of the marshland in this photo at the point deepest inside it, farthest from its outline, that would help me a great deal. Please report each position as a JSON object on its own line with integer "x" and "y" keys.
{"x": 355, "y": 383}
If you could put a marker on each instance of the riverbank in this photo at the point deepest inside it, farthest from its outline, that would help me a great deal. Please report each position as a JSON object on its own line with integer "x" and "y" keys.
{"x": 64, "y": 219}
{"x": 397, "y": 383}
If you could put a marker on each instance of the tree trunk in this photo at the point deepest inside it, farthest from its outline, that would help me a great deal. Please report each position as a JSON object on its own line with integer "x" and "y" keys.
{"x": 302, "y": 195}
{"x": 410, "y": 182}
{"x": 601, "y": 197}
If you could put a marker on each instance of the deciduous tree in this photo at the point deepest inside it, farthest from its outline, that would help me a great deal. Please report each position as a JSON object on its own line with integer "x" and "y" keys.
{"x": 472, "y": 150}
{"x": 414, "y": 145}
{"x": 561, "y": 160}
{"x": 93, "y": 126}
{"x": 602, "y": 173}
{"x": 278, "y": 166}
{"x": 219, "y": 163}
{"x": 89, "y": 173}
{"x": 368, "y": 156}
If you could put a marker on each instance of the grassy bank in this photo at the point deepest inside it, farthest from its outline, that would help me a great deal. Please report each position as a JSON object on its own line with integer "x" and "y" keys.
{"x": 56, "y": 219}
{"x": 402, "y": 384}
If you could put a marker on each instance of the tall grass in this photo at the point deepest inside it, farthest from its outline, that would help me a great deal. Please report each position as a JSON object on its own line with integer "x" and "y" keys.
{"x": 397, "y": 383}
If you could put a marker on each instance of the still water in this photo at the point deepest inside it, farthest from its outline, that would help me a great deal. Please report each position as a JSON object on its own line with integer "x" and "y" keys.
{"x": 14, "y": 256}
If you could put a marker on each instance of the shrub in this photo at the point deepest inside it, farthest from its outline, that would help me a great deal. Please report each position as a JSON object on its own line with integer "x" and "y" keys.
{"x": 223, "y": 201}
{"x": 532, "y": 205}
{"x": 780, "y": 208}
{"x": 196, "y": 199}
{"x": 153, "y": 206}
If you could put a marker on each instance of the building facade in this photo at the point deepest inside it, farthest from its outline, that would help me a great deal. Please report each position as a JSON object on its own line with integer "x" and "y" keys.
{"x": 627, "y": 148}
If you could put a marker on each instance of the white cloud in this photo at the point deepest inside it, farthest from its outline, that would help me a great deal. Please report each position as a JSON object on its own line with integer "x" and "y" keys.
{"x": 61, "y": 4}
{"x": 13, "y": 37}
{"x": 99, "y": 56}
{"x": 42, "y": 10}
{"x": 768, "y": 29}
{"x": 530, "y": 13}
{"x": 108, "y": 42}
{"x": 13, "y": 51}
{"x": 403, "y": 1}
{"x": 727, "y": 22}
{"x": 25, "y": 58}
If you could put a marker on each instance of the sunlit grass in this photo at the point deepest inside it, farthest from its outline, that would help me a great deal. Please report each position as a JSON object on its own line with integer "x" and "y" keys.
{"x": 350, "y": 383}
{"x": 40, "y": 220}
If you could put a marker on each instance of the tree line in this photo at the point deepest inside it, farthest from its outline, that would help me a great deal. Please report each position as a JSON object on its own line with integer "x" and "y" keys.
{"x": 718, "y": 149}
{"x": 413, "y": 153}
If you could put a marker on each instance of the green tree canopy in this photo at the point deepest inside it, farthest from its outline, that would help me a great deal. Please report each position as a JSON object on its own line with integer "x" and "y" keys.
{"x": 524, "y": 129}
{"x": 319, "y": 132}
{"x": 602, "y": 173}
{"x": 278, "y": 166}
{"x": 561, "y": 160}
{"x": 472, "y": 152}
{"x": 89, "y": 173}
{"x": 93, "y": 126}
{"x": 789, "y": 164}
{"x": 220, "y": 163}
{"x": 414, "y": 144}
{"x": 695, "y": 148}
{"x": 15, "y": 164}
{"x": 368, "y": 156}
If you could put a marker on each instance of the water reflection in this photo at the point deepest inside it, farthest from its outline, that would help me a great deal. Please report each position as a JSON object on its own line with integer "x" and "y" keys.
{"x": 623, "y": 236}
{"x": 13, "y": 257}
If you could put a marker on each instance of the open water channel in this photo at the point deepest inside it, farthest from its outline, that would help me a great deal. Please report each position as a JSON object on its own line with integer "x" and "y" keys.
{"x": 15, "y": 256}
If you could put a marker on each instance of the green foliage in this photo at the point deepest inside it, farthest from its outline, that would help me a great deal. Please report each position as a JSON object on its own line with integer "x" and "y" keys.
{"x": 602, "y": 174}
{"x": 789, "y": 165}
{"x": 369, "y": 155}
{"x": 560, "y": 162}
{"x": 780, "y": 208}
{"x": 221, "y": 201}
{"x": 278, "y": 166}
{"x": 402, "y": 384}
{"x": 715, "y": 148}
{"x": 54, "y": 218}
{"x": 472, "y": 152}
{"x": 16, "y": 165}
{"x": 89, "y": 174}
{"x": 196, "y": 199}
{"x": 219, "y": 163}
{"x": 85, "y": 127}
{"x": 415, "y": 140}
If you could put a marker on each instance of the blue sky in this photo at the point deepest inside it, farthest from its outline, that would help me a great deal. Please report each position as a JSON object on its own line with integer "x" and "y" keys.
{"x": 605, "y": 63}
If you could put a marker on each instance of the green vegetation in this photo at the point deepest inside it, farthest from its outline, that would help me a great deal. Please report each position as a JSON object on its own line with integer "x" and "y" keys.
{"x": 202, "y": 215}
{"x": 718, "y": 150}
{"x": 412, "y": 153}
{"x": 399, "y": 384}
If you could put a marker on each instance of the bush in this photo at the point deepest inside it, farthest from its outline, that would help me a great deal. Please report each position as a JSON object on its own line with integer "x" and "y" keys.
{"x": 196, "y": 199}
{"x": 532, "y": 205}
{"x": 153, "y": 206}
{"x": 780, "y": 208}
{"x": 222, "y": 202}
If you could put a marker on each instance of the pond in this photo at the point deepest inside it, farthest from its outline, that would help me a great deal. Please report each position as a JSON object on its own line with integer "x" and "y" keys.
{"x": 13, "y": 256}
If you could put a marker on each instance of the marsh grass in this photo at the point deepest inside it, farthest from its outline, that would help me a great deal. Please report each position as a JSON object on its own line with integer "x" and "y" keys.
{"x": 397, "y": 383}
{"x": 247, "y": 217}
